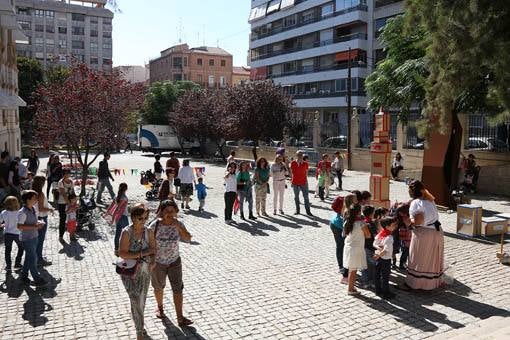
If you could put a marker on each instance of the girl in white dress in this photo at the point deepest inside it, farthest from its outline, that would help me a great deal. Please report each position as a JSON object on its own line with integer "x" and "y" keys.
{"x": 354, "y": 258}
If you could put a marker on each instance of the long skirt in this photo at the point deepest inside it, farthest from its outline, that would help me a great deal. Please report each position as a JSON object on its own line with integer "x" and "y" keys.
{"x": 426, "y": 259}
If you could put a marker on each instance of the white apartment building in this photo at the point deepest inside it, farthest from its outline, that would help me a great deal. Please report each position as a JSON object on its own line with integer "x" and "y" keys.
{"x": 62, "y": 30}
{"x": 133, "y": 73}
{"x": 304, "y": 46}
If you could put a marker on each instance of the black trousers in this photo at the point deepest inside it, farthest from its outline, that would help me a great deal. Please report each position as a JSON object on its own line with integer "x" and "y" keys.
{"x": 61, "y": 220}
{"x": 395, "y": 171}
{"x": 339, "y": 176}
{"x": 230, "y": 198}
{"x": 382, "y": 276}
{"x": 9, "y": 239}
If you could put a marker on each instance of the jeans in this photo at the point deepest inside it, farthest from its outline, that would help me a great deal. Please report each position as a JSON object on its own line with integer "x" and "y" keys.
{"x": 41, "y": 237}
{"x": 304, "y": 190}
{"x": 404, "y": 255}
{"x": 30, "y": 263}
{"x": 382, "y": 276}
{"x": 104, "y": 182}
{"x": 9, "y": 239}
{"x": 61, "y": 220}
{"x": 121, "y": 224}
{"x": 245, "y": 195}
{"x": 230, "y": 198}
{"x": 339, "y": 240}
{"x": 368, "y": 275}
{"x": 339, "y": 176}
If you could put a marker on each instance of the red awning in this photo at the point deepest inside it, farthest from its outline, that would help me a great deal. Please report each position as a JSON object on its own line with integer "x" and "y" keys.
{"x": 344, "y": 56}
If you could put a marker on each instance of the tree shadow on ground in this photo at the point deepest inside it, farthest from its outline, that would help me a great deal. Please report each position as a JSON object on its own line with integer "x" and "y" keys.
{"x": 410, "y": 307}
{"x": 73, "y": 249}
{"x": 174, "y": 332}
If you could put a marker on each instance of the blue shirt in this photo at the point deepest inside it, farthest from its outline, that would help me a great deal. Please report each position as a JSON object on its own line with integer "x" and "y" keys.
{"x": 337, "y": 221}
{"x": 201, "y": 191}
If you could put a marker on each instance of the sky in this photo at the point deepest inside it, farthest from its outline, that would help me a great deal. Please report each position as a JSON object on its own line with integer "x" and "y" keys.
{"x": 143, "y": 28}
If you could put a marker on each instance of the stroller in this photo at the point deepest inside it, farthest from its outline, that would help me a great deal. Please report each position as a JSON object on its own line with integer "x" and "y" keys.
{"x": 86, "y": 210}
{"x": 148, "y": 178}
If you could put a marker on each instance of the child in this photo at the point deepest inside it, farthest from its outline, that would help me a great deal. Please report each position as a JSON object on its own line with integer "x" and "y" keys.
{"x": 158, "y": 168}
{"x": 71, "y": 209}
{"x": 365, "y": 198}
{"x": 349, "y": 200}
{"x": 367, "y": 275}
{"x": 337, "y": 227}
{"x": 201, "y": 193}
{"x": 354, "y": 257}
{"x": 404, "y": 233}
{"x": 384, "y": 251}
{"x": 29, "y": 226}
{"x": 9, "y": 219}
{"x": 168, "y": 231}
{"x": 321, "y": 185}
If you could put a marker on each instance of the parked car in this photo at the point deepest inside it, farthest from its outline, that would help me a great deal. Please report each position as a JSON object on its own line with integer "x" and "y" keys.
{"x": 338, "y": 142}
{"x": 231, "y": 143}
{"x": 249, "y": 143}
{"x": 483, "y": 143}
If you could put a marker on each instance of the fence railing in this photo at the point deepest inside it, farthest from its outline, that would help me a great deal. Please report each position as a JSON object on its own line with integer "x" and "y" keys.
{"x": 366, "y": 128}
{"x": 413, "y": 141}
{"x": 486, "y": 137}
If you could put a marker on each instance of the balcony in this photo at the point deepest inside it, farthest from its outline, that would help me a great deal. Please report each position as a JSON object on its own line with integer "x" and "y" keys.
{"x": 281, "y": 29}
{"x": 344, "y": 38}
{"x": 308, "y": 69}
{"x": 327, "y": 94}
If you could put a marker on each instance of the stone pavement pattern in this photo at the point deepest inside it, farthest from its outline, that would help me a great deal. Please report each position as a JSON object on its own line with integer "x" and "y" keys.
{"x": 275, "y": 278}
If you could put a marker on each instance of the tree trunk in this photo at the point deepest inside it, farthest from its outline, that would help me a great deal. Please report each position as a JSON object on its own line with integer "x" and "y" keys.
{"x": 440, "y": 162}
{"x": 254, "y": 152}
{"x": 220, "y": 149}
{"x": 84, "y": 177}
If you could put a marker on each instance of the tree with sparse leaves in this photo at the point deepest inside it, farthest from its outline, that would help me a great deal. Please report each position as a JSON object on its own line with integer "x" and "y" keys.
{"x": 30, "y": 75}
{"x": 86, "y": 113}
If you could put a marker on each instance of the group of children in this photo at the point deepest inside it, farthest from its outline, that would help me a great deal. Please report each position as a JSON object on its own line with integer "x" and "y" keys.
{"x": 368, "y": 239}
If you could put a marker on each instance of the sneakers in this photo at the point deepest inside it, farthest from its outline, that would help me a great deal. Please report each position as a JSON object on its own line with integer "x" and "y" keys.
{"x": 40, "y": 282}
{"x": 265, "y": 214}
{"x": 24, "y": 280}
{"x": 281, "y": 212}
{"x": 44, "y": 263}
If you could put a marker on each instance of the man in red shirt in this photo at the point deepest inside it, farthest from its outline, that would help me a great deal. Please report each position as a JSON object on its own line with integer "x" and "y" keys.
{"x": 299, "y": 169}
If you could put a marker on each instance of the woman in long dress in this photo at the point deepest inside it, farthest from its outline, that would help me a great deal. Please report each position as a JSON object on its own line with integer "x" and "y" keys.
{"x": 426, "y": 252}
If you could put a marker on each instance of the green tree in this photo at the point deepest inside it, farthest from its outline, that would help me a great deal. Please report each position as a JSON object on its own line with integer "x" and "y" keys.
{"x": 56, "y": 73}
{"x": 30, "y": 75}
{"x": 161, "y": 98}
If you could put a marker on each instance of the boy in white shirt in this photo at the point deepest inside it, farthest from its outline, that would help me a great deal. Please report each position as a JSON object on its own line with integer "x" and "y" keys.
{"x": 383, "y": 245}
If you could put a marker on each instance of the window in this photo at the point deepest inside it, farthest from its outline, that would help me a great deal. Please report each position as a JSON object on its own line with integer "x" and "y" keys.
{"x": 185, "y": 61}
{"x": 50, "y": 29}
{"x": 341, "y": 85}
{"x": 223, "y": 83}
{"x": 39, "y": 13}
{"x": 177, "y": 77}
{"x": 177, "y": 62}
{"x": 289, "y": 21}
{"x": 307, "y": 16}
{"x": 211, "y": 81}
{"x": 93, "y": 33}
{"x": 107, "y": 21}
{"x": 223, "y": 63}
{"x": 379, "y": 24}
{"x": 62, "y": 43}
{"x": 344, "y": 4}
{"x": 107, "y": 34}
{"x": 327, "y": 10}
{"x": 49, "y": 56}
{"x": 23, "y": 11}
{"x": 93, "y": 20}
{"x": 62, "y": 30}
{"x": 78, "y": 44}
{"x": 78, "y": 30}
{"x": 39, "y": 28}
{"x": 78, "y": 17}
{"x": 50, "y": 43}
{"x": 80, "y": 57}
{"x": 49, "y": 14}
{"x": 107, "y": 46}
{"x": 107, "y": 61}
{"x": 94, "y": 60}
{"x": 26, "y": 25}
{"x": 199, "y": 78}
{"x": 199, "y": 61}
{"x": 39, "y": 55}
{"x": 93, "y": 45}
{"x": 211, "y": 62}
{"x": 39, "y": 41}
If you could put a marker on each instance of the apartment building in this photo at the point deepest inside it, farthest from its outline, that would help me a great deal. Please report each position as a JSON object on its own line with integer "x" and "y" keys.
{"x": 133, "y": 73}
{"x": 307, "y": 47}
{"x": 208, "y": 66}
{"x": 60, "y": 31}
{"x": 240, "y": 75}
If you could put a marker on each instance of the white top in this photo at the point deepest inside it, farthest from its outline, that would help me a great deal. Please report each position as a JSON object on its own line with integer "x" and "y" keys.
{"x": 398, "y": 163}
{"x": 231, "y": 183}
{"x": 10, "y": 219}
{"x": 427, "y": 208}
{"x": 230, "y": 159}
{"x": 45, "y": 205}
{"x": 186, "y": 175}
{"x": 338, "y": 164}
{"x": 278, "y": 172}
{"x": 384, "y": 245}
{"x": 68, "y": 188}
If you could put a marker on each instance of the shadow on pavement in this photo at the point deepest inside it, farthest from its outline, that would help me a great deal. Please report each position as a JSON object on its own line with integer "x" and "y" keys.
{"x": 174, "y": 332}
{"x": 202, "y": 214}
{"x": 491, "y": 240}
{"x": 252, "y": 229}
{"x": 73, "y": 249}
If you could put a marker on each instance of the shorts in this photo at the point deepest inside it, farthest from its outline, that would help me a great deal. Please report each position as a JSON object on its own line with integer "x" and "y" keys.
{"x": 186, "y": 189}
{"x": 174, "y": 273}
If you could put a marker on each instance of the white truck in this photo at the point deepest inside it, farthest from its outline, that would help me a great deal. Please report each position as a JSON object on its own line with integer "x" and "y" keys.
{"x": 162, "y": 138}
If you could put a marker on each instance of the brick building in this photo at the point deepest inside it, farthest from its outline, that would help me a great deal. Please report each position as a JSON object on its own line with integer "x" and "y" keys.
{"x": 240, "y": 75}
{"x": 207, "y": 66}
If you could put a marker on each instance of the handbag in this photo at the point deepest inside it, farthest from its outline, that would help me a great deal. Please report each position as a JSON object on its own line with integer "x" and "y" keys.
{"x": 126, "y": 267}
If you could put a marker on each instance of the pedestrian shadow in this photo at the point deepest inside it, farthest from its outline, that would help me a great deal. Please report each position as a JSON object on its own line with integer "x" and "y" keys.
{"x": 74, "y": 249}
{"x": 35, "y": 307}
{"x": 252, "y": 229}
{"x": 202, "y": 214}
{"x": 11, "y": 286}
{"x": 90, "y": 235}
{"x": 299, "y": 221}
{"x": 174, "y": 332}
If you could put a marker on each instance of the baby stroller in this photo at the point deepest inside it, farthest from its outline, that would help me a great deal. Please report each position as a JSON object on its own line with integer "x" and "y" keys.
{"x": 148, "y": 178}
{"x": 86, "y": 210}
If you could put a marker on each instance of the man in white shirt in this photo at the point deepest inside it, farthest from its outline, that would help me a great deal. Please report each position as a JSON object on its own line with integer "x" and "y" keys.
{"x": 338, "y": 167}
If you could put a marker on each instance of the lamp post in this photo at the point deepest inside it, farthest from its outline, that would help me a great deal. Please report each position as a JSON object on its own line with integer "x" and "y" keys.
{"x": 349, "y": 113}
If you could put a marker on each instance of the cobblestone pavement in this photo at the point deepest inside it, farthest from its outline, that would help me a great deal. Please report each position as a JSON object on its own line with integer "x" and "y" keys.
{"x": 271, "y": 279}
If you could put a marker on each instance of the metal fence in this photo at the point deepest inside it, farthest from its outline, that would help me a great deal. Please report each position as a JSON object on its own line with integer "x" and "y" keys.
{"x": 366, "y": 128}
{"x": 412, "y": 140}
{"x": 483, "y": 136}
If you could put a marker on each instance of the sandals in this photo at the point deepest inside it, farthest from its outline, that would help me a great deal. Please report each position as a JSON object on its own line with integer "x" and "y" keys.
{"x": 160, "y": 314}
{"x": 353, "y": 292}
{"x": 184, "y": 322}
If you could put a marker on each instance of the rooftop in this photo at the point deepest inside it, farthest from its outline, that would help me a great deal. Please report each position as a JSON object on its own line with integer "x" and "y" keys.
{"x": 241, "y": 70}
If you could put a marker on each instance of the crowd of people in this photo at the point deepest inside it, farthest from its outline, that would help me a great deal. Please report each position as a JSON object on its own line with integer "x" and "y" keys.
{"x": 368, "y": 238}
